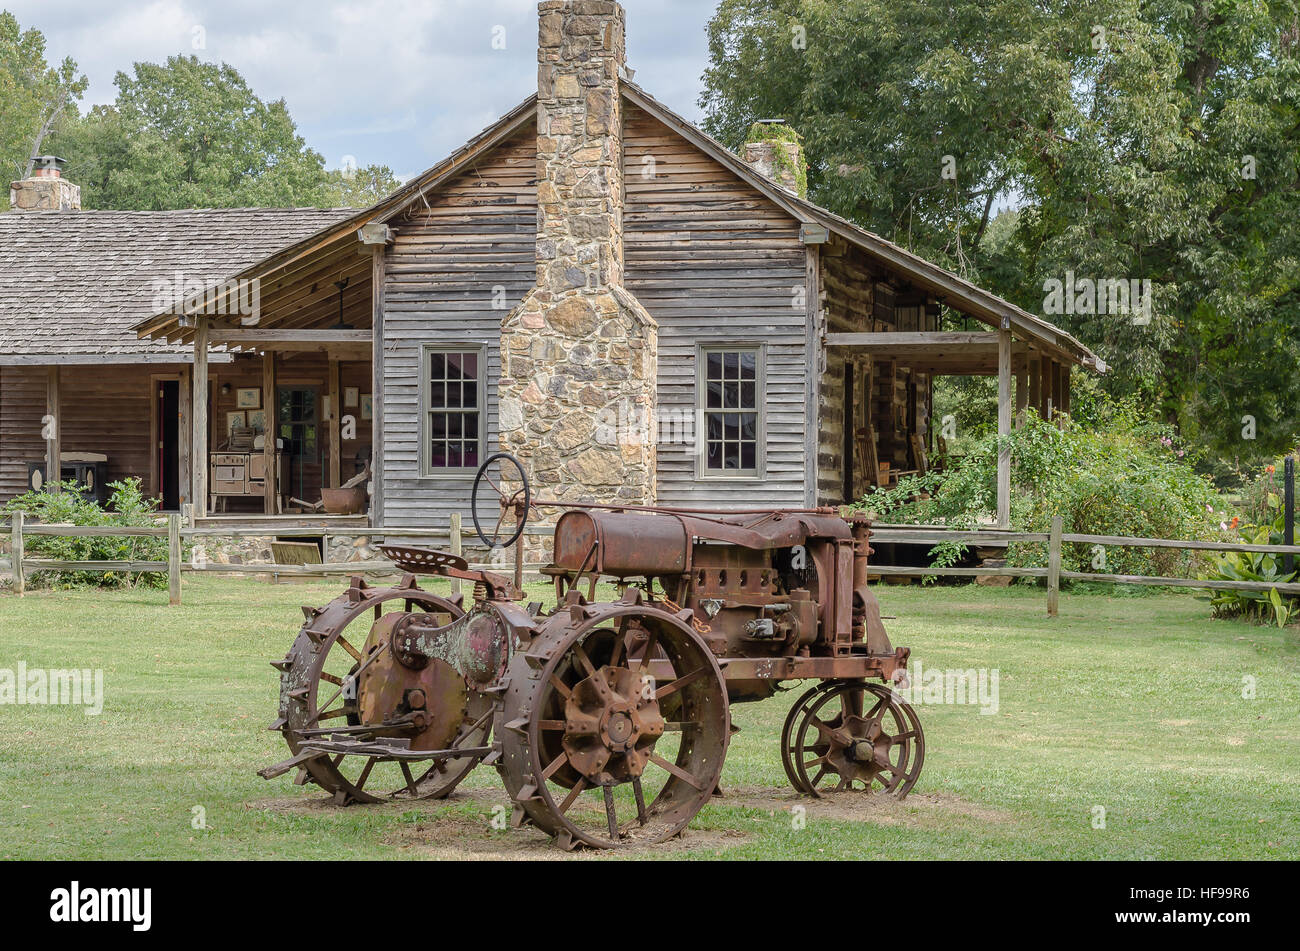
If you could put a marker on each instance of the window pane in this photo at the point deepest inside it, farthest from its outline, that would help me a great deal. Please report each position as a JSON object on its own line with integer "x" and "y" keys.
{"x": 730, "y": 365}
{"x": 748, "y": 396}
{"x": 748, "y": 365}
{"x": 469, "y": 394}
{"x": 748, "y": 455}
{"x": 714, "y": 370}
{"x": 437, "y": 395}
{"x": 469, "y": 365}
{"x": 454, "y": 455}
{"x": 437, "y": 426}
{"x": 731, "y": 395}
{"x": 714, "y": 396}
{"x": 453, "y": 366}
{"x": 437, "y": 366}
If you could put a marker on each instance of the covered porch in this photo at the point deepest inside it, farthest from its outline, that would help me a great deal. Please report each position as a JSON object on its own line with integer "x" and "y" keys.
{"x": 888, "y": 336}
{"x": 283, "y": 388}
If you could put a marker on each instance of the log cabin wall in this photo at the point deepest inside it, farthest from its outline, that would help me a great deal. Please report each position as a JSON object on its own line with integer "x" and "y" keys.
{"x": 890, "y": 401}
{"x": 442, "y": 277}
{"x": 849, "y": 302}
{"x": 105, "y": 408}
{"x": 22, "y": 404}
{"x": 713, "y": 260}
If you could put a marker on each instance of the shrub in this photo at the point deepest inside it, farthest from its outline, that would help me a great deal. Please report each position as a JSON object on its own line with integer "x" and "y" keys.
{"x": 127, "y": 506}
{"x": 1124, "y": 477}
{"x": 1265, "y": 606}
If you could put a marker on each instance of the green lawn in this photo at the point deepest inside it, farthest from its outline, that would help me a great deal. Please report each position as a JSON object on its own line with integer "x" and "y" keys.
{"x": 1129, "y": 703}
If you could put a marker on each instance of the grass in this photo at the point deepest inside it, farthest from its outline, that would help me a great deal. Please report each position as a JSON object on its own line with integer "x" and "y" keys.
{"x": 1132, "y": 704}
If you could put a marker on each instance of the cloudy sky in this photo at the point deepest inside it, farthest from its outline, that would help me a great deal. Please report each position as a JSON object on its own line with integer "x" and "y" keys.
{"x": 393, "y": 82}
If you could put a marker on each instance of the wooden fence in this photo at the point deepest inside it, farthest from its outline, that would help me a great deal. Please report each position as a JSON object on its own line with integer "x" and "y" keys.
{"x": 20, "y": 565}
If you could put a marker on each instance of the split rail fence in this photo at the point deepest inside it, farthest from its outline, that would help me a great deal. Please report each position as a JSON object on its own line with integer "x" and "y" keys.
{"x": 19, "y": 565}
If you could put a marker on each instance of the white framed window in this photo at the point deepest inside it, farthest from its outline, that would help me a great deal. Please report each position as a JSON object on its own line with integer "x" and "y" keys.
{"x": 729, "y": 406}
{"x": 453, "y": 398}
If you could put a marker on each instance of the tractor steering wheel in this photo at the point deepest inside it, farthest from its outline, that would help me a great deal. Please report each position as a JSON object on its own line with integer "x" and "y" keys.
{"x": 519, "y": 502}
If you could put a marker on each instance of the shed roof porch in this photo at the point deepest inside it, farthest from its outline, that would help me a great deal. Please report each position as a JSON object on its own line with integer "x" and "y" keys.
{"x": 306, "y": 348}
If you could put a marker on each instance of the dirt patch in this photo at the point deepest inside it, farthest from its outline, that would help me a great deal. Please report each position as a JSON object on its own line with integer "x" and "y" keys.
{"x": 460, "y": 826}
{"x": 916, "y": 809}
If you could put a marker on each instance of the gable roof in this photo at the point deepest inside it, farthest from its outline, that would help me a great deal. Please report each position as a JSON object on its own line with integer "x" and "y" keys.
{"x": 73, "y": 284}
{"x": 946, "y": 286}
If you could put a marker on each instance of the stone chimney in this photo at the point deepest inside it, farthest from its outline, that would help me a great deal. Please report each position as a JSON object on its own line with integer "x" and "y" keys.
{"x": 46, "y": 189}
{"x": 775, "y": 151}
{"x": 579, "y": 353}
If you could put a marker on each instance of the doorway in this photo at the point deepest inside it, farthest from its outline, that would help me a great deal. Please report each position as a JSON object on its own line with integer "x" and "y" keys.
{"x": 298, "y": 426}
{"x": 167, "y": 444}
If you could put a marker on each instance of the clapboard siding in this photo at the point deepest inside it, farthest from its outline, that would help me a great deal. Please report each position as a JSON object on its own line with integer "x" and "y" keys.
{"x": 441, "y": 274}
{"x": 713, "y": 261}
{"x": 22, "y": 404}
{"x": 107, "y": 409}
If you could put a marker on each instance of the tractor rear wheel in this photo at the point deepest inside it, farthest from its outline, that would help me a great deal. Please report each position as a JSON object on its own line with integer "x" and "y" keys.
{"x": 594, "y": 749}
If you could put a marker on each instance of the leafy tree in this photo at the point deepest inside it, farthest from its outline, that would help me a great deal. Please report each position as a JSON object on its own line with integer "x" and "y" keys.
{"x": 35, "y": 98}
{"x": 1151, "y": 139}
{"x": 361, "y": 187}
{"x": 190, "y": 134}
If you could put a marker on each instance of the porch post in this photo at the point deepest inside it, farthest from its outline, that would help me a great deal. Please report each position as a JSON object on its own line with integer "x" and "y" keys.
{"x": 199, "y": 455}
{"x": 270, "y": 409}
{"x": 53, "y": 432}
{"x": 1022, "y": 391}
{"x": 184, "y": 472}
{"x": 336, "y": 454}
{"x": 1036, "y": 384}
{"x": 1004, "y": 428}
{"x": 377, "y": 390}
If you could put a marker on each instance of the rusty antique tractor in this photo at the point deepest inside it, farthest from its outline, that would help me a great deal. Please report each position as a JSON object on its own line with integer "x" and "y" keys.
{"x": 608, "y": 721}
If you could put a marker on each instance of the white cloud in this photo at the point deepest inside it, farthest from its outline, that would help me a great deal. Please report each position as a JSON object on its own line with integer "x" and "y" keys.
{"x": 396, "y": 82}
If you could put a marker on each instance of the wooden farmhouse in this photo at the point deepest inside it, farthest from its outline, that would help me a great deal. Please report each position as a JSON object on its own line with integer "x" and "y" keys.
{"x": 592, "y": 284}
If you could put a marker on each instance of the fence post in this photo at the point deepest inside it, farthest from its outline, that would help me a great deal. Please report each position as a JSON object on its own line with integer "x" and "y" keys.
{"x": 16, "y": 556}
{"x": 1288, "y": 520}
{"x": 174, "y": 559}
{"x": 1054, "y": 566}
{"x": 455, "y": 549}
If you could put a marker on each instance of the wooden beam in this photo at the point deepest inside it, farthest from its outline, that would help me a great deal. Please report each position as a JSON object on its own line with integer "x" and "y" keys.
{"x": 263, "y": 338}
{"x": 336, "y": 458}
{"x": 199, "y": 455}
{"x": 271, "y": 410}
{"x": 921, "y": 342}
{"x": 53, "y": 431}
{"x": 377, "y": 389}
{"x": 1004, "y": 429}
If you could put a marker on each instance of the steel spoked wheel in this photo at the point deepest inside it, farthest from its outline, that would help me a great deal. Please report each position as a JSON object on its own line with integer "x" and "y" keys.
{"x": 613, "y": 731}
{"x": 344, "y": 693}
{"x": 853, "y": 735}
{"x": 789, "y": 752}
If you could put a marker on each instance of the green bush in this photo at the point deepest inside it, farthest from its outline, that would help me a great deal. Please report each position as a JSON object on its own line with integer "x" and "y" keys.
{"x": 1265, "y": 606}
{"x": 127, "y": 506}
{"x": 1126, "y": 476}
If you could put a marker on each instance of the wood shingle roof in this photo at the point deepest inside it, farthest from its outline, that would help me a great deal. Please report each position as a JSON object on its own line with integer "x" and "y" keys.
{"x": 73, "y": 284}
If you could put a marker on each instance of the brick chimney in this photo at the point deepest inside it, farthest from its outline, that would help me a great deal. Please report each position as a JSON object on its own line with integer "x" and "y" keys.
{"x": 46, "y": 189}
{"x": 579, "y": 353}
